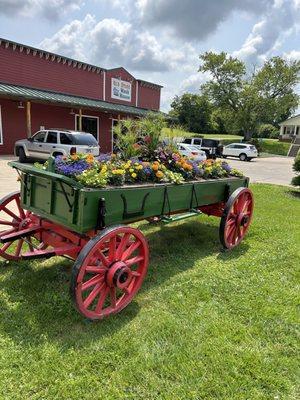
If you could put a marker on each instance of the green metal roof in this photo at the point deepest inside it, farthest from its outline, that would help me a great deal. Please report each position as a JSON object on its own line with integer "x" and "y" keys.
{"x": 24, "y": 93}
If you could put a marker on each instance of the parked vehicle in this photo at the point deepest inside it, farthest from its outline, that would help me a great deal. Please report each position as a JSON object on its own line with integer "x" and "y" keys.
{"x": 55, "y": 142}
{"x": 244, "y": 151}
{"x": 191, "y": 152}
{"x": 54, "y": 215}
{"x": 212, "y": 147}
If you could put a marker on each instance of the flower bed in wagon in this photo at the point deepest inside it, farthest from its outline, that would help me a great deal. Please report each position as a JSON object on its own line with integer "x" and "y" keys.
{"x": 112, "y": 170}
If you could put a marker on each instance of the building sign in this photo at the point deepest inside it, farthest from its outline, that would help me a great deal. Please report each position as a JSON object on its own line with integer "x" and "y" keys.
{"x": 120, "y": 89}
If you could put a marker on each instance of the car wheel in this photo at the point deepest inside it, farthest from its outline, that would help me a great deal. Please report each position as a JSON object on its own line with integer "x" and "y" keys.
{"x": 22, "y": 156}
{"x": 249, "y": 159}
{"x": 243, "y": 157}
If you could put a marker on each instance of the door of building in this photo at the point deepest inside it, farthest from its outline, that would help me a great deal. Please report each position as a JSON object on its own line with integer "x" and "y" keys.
{"x": 89, "y": 124}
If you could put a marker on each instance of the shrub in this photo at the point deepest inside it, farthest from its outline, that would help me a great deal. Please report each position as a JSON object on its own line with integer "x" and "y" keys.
{"x": 296, "y": 168}
{"x": 267, "y": 131}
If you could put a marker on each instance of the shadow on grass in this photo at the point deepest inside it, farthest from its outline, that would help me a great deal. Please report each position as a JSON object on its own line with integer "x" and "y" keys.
{"x": 293, "y": 193}
{"x": 35, "y": 305}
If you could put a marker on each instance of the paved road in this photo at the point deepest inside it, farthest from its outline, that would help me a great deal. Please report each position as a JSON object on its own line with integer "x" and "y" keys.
{"x": 277, "y": 170}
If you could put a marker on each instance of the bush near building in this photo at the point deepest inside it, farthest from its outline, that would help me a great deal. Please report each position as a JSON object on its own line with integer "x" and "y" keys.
{"x": 296, "y": 168}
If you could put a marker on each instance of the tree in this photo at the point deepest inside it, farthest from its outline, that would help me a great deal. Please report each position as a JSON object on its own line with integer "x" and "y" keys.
{"x": 193, "y": 112}
{"x": 264, "y": 96}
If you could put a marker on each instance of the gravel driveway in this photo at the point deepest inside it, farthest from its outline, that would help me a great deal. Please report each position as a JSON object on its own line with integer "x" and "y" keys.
{"x": 277, "y": 170}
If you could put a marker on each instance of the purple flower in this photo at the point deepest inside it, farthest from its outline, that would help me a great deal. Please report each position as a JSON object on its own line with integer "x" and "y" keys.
{"x": 104, "y": 157}
{"x": 70, "y": 168}
{"x": 226, "y": 167}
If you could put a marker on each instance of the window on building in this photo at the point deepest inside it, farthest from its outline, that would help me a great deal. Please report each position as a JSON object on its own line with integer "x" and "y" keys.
{"x": 52, "y": 137}
{"x": 39, "y": 137}
{"x": 1, "y": 133}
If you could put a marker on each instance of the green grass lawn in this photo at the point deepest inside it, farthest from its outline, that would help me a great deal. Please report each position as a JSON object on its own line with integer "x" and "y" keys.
{"x": 273, "y": 146}
{"x": 205, "y": 325}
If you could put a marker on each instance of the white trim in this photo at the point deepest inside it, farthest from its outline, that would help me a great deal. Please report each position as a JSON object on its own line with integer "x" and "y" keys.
{"x": 104, "y": 84}
{"x": 89, "y": 116}
{"x": 1, "y": 131}
{"x": 136, "y": 93}
{"x": 113, "y": 96}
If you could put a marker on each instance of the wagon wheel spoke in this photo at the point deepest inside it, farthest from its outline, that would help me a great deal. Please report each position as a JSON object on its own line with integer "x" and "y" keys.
{"x": 8, "y": 223}
{"x": 11, "y": 214}
{"x": 21, "y": 211}
{"x": 92, "y": 282}
{"x": 101, "y": 300}
{"x": 95, "y": 270}
{"x": 131, "y": 249}
{"x": 113, "y": 297}
{"x": 19, "y": 247}
{"x": 123, "y": 244}
{"x": 134, "y": 260}
{"x": 91, "y": 297}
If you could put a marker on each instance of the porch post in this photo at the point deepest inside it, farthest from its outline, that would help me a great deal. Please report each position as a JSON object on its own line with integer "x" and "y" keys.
{"x": 80, "y": 120}
{"x": 28, "y": 118}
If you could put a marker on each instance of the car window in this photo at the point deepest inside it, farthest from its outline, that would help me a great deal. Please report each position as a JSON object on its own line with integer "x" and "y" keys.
{"x": 65, "y": 139}
{"x": 39, "y": 137}
{"x": 84, "y": 139}
{"x": 51, "y": 137}
{"x": 197, "y": 142}
{"x": 240, "y": 146}
{"x": 188, "y": 141}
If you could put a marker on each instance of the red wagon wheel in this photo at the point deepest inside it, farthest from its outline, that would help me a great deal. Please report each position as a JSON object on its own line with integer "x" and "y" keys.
{"x": 13, "y": 219}
{"x": 236, "y": 218}
{"x": 109, "y": 271}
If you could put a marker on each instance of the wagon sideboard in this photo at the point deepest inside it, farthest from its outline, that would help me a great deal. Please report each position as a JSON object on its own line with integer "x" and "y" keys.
{"x": 66, "y": 202}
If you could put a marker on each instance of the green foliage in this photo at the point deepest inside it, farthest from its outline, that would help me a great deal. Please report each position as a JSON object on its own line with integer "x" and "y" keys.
{"x": 93, "y": 178}
{"x": 296, "y": 168}
{"x": 273, "y": 146}
{"x": 150, "y": 129}
{"x": 193, "y": 112}
{"x": 127, "y": 134}
{"x": 267, "y": 131}
{"x": 265, "y": 96}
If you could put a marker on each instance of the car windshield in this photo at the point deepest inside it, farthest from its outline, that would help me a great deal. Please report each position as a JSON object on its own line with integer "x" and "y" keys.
{"x": 84, "y": 139}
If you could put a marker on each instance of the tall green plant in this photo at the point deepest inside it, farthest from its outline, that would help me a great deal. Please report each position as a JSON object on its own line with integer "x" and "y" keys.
{"x": 127, "y": 135}
{"x": 151, "y": 133}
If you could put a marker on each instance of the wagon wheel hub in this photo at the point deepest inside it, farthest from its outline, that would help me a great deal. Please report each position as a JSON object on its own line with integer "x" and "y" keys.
{"x": 24, "y": 223}
{"x": 119, "y": 275}
{"x": 242, "y": 219}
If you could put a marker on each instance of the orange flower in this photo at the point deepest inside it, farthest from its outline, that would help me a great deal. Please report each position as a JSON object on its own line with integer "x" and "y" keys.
{"x": 74, "y": 157}
{"x": 159, "y": 174}
{"x": 90, "y": 159}
{"x": 155, "y": 167}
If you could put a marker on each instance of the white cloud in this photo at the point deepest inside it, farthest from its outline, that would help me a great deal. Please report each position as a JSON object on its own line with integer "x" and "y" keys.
{"x": 50, "y": 9}
{"x": 293, "y": 55}
{"x": 194, "y": 19}
{"x": 268, "y": 34}
{"x": 111, "y": 43}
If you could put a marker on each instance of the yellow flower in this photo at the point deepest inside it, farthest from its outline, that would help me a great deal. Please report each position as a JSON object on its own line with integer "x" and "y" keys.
{"x": 131, "y": 170}
{"x": 139, "y": 167}
{"x": 74, "y": 157}
{"x": 134, "y": 175}
{"x": 104, "y": 169}
{"x": 159, "y": 174}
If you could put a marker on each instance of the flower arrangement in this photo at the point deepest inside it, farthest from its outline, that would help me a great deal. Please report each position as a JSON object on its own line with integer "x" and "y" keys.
{"x": 112, "y": 170}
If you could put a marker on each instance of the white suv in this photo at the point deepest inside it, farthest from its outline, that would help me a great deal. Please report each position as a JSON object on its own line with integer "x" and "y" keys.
{"x": 53, "y": 142}
{"x": 244, "y": 151}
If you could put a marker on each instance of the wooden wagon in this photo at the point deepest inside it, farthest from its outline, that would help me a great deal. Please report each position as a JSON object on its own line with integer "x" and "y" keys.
{"x": 54, "y": 215}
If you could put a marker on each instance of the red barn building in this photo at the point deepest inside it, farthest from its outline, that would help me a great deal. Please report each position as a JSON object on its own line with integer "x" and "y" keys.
{"x": 41, "y": 90}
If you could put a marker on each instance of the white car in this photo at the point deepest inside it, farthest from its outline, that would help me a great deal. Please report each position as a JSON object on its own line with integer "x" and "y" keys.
{"x": 55, "y": 142}
{"x": 244, "y": 151}
{"x": 191, "y": 152}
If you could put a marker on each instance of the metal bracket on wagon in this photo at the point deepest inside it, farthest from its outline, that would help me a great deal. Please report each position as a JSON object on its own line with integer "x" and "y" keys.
{"x": 133, "y": 214}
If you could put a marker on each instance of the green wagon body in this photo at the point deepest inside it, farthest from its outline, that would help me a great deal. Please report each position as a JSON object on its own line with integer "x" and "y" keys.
{"x": 66, "y": 202}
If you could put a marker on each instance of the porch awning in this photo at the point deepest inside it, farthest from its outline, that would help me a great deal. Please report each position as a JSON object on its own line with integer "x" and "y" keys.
{"x": 22, "y": 93}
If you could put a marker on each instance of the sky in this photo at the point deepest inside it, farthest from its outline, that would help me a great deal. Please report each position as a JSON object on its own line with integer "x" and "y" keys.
{"x": 156, "y": 40}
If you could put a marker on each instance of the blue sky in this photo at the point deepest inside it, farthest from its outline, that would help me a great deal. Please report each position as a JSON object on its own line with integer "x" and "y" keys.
{"x": 156, "y": 40}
